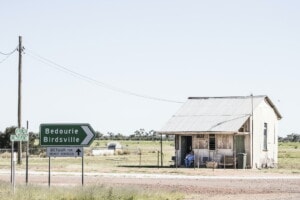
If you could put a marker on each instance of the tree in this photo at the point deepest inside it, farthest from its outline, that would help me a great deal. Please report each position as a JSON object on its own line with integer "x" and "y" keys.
{"x": 294, "y": 137}
{"x": 98, "y": 135}
{"x": 5, "y": 142}
{"x": 111, "y": 135}
{"x": 153, "y": 134}
{"x": 140, "y": 134}
{"x": 119, "y": 136}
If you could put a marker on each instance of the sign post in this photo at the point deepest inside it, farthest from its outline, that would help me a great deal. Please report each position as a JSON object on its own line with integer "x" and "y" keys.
{"x": 14, "y": 172}
{"x": 21, "y": 135}
{"x": 66, "y": 140}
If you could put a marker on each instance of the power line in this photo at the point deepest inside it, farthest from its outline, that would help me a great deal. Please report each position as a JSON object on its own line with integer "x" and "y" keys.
{"x": 64, "y": 69}
{"x": 4, "y": 59}
{"x": 8, "y": 54}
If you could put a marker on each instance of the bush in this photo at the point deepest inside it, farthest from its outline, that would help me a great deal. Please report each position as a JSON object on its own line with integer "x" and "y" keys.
{"x": 5, "y": 155}
{"x": 119, "y": 152}
{"x": 126, "y": 152}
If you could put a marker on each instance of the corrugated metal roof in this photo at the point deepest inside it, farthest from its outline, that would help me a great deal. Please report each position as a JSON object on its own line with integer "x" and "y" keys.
{"x": 216, "y": 114}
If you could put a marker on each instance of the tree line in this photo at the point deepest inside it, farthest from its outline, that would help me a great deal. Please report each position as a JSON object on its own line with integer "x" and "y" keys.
{"x": 5, "y": 142}
{"x": 140, "y": 134}
{"x": 294, "y": 137}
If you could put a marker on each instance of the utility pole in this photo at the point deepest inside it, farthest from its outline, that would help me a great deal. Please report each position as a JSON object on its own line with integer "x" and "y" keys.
{"x": 252, "y": 131}
{"x": 20, "y": 49}
{"x": 161, "y": 150}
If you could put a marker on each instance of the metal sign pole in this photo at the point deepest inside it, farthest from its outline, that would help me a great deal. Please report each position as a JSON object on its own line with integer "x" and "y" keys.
{"x": 11, "y": 161}
{"x": 49, "y": 173}
{"x": 26, "y": 173}
{"x": 27, "y": 154}
{"x": 14, "y": 172}
{"x": 82, "y": 178}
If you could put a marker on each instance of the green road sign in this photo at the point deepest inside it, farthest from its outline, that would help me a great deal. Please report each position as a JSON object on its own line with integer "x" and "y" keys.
{"x": 66, "y": 134}
{"x": 18, "y": 138}
{"x": 21, "y": 131}
{"x": 21, "y": 135}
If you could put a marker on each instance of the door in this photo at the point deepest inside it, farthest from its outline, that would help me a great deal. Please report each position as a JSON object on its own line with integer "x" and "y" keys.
{"x": 240, "y": 150}
{"x": 186, "y": 146}
{"x": 240, "y": 144}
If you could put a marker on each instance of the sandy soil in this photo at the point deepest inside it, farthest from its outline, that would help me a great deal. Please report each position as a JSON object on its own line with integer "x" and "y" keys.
{"x": 210, "y": 185}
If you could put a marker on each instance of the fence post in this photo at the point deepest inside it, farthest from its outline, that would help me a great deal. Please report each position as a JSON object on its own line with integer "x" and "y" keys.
{"x": 157, "y": 159}
{"x": 140, "y": 153}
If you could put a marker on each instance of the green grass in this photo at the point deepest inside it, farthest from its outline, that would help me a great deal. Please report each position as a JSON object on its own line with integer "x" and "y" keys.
{"x": 289, "y": 156}
{"x": 95, "y": 192}
{"x": 288, "y": 162}
{"x": 138, "y": 153}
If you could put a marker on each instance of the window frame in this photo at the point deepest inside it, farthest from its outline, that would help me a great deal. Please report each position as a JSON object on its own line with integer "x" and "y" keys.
{"x": 212, "y": 139}
{"x": 265, "y": 137}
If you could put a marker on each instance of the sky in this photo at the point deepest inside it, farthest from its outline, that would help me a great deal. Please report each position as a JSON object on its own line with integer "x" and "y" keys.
{"x": 159, "y": 49}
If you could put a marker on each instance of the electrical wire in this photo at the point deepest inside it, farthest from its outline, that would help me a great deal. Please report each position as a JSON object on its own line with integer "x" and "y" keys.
{"x": 4, "y": 59}
{"x": 8, "y": 54}
{"x": 64, "y": 69}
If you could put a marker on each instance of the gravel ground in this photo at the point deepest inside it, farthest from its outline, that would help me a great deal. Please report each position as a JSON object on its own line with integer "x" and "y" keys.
{"x": 219, "y": 185}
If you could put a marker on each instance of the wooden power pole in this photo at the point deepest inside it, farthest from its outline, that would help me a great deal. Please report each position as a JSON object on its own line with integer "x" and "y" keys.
{"x": 19, "y": 98}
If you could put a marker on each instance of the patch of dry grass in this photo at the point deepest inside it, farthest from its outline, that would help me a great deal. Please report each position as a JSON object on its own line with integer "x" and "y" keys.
{"x": 93, "y": 192}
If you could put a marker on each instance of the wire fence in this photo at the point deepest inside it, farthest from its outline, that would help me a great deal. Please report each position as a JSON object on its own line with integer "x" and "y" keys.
{"x": 102, "y": 156}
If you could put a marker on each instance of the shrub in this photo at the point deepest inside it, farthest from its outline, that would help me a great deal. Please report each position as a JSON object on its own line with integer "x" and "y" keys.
{"x": 126, "y": 152}
{"x": 119, "y": 152}
{"x": 5, "y": 155}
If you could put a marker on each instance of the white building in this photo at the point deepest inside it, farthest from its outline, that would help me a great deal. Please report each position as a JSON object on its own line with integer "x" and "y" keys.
{"x": 214, "y": 127}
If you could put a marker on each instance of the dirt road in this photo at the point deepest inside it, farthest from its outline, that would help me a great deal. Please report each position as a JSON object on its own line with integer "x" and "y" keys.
{"x": 218, "y": 186}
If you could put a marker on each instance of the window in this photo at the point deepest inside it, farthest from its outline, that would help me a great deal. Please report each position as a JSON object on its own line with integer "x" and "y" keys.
{"x": 265, "y": 147}
{"x": 212, "y": 142}
{"x": 200, "y": 136}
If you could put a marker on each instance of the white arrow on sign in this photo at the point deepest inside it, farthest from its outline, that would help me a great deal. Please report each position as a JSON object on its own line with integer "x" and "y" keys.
{"x": 89, "y": 135}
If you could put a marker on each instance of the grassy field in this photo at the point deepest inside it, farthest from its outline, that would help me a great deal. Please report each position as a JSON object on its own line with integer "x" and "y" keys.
{"x": 137, "y": 156}
{"x": 94, "y": 192}
{"x": 289, "y": 157}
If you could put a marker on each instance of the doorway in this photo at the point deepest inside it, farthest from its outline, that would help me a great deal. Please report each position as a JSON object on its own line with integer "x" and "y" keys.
{"x": 240, "y": 144}
{"x": 186, "y": 146}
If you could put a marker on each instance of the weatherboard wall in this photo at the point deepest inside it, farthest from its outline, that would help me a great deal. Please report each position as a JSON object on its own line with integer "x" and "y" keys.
{"x": 265, "y": 157}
